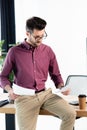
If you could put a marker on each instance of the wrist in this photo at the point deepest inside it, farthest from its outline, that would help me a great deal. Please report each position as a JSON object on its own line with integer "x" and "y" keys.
{"x": 8, "y": 88}
{"x": 60, "y": 86}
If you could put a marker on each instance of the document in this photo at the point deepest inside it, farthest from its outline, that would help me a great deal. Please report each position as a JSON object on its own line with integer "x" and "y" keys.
{"x": 57, "y": 90}
{"x": 22, "y": 91}
{"x": 69, "y": 98}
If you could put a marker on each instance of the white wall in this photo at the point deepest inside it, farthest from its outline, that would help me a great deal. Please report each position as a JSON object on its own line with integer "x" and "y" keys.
{"x": 67, "y": 30}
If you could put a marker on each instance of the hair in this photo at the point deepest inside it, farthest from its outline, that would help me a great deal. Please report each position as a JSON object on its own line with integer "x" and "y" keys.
{"x": 35, "y": 23}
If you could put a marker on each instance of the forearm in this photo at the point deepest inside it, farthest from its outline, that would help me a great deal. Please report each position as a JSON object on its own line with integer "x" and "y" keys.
{"x": 8, "y": 88}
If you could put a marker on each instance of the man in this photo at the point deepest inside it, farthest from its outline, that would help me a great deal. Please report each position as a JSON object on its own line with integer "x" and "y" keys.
{"x": 31, "y": 61}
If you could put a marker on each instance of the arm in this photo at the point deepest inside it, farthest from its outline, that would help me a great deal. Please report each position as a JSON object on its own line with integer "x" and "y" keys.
{"x": 6, "y": 70}
{"x": 4, "y": 76}
{"x": 55, "y": 74}
{"x": 54, "y": 71}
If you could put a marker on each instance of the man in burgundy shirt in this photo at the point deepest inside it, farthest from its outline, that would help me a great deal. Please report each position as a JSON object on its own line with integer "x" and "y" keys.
{"x": 31, "y": 61}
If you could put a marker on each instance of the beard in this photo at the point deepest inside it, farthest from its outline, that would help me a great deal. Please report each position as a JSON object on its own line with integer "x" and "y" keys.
{"x": 35, "y": 44}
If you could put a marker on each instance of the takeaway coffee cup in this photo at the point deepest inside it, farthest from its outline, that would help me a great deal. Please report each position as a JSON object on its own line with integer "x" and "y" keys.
{"x": 82, "y": 101}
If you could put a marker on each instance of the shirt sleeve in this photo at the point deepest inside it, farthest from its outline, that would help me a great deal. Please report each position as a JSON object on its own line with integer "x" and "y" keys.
{"x": 54, "y": 70}
{"x": 7, "y": 69}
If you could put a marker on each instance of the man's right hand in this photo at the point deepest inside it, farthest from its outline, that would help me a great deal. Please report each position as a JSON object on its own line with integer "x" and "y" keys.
{"x": 12, "y": 95}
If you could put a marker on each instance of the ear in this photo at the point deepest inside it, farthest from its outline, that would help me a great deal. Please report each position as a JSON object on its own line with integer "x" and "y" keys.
{"x": 28, "y": 33}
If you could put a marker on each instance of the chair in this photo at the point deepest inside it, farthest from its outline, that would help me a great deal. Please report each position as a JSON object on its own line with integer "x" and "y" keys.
{"x": 77, "y": 84}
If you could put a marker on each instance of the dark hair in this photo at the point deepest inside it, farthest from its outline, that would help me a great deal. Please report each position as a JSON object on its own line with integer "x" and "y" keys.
{"x": 35, "y": 23}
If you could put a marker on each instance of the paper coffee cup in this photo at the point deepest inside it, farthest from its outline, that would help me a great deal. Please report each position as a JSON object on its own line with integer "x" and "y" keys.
{"x": 82, "y": 101}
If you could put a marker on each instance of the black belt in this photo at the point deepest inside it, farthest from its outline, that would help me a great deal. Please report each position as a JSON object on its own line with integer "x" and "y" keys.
{"x": 40, "y": 91}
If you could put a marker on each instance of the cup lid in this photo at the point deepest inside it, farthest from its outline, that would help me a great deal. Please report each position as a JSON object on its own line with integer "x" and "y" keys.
{"x": 81, "y": 95}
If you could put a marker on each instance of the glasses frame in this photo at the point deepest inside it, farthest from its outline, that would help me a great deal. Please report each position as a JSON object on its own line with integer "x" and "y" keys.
{"x": 38, "y": 37}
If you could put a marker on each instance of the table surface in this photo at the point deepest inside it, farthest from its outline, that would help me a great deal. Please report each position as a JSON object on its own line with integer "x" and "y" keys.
{"x": 10, "y": 108}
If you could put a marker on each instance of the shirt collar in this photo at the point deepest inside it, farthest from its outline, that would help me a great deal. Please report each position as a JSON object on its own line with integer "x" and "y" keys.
{"x": 26, "y": 45}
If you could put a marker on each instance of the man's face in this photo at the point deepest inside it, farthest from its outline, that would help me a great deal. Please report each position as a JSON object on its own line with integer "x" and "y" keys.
{"x": 35, "y": 38}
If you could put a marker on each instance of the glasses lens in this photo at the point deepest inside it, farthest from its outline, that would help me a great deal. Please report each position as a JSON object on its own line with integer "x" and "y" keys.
{"x": 38, "y": 37}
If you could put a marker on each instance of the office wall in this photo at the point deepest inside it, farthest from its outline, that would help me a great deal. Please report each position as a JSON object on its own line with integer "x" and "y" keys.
{"x": 66, "y": 28}
{"x": 67, "y": 32}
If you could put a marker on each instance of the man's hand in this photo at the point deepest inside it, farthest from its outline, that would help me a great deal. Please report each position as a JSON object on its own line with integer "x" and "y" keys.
{"x": 66, "y": 92}
{"x": 12, "y": 96}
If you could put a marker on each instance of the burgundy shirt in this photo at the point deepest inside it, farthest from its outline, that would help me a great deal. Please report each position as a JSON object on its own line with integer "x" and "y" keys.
{"x": 30, "y": 66}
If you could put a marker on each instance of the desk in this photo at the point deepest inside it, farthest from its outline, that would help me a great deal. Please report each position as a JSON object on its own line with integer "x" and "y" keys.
{"x": 10, "y": 108}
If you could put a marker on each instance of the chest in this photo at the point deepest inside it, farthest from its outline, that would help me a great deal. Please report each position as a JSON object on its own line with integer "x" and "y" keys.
{"x": 30, "y": 59}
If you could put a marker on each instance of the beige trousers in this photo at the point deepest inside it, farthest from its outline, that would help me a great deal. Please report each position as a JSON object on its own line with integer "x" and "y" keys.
{"x": 27, "y": 110}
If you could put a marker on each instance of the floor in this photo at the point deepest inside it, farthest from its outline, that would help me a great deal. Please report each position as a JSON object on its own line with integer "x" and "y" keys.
{"x": 49, "y": 122}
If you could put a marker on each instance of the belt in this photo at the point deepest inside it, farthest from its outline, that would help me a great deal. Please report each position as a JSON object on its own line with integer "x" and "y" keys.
{"x": 40, "y": 91}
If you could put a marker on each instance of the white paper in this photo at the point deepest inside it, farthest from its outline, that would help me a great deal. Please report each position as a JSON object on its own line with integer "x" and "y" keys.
{"x": 68, "y": 98}
{"x": 22, "y": 91}
{"x": 57, "y": 90}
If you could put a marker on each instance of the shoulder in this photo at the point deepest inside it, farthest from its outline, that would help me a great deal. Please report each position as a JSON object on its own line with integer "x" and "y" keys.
{"x": 43, "y": 46}
{"x": 15, "y": 47}
{"x": 48, "y": 50}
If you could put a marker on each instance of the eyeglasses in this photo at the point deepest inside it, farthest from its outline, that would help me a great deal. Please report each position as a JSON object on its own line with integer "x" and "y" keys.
{"x": 38, "y": 37}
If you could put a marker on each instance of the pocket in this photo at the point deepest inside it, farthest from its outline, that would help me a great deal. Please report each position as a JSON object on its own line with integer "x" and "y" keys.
{"x": 19, "y": 98}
